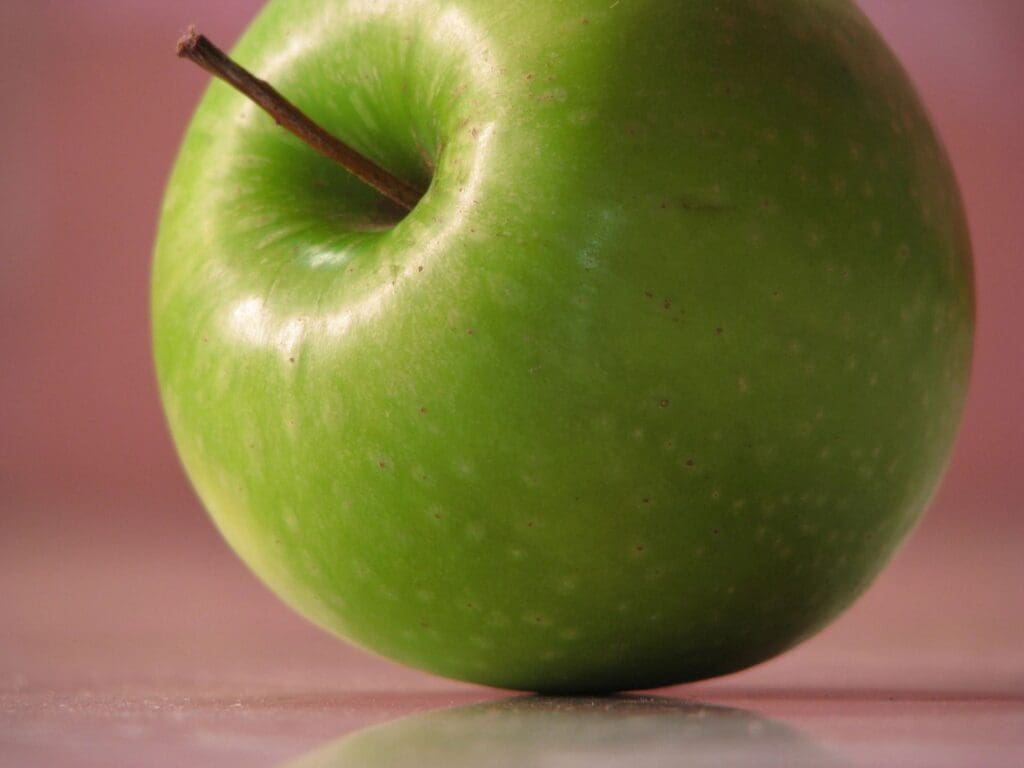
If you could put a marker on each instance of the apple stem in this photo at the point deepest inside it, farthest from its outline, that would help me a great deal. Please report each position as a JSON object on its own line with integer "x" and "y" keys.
{"x": 200, "y": 50}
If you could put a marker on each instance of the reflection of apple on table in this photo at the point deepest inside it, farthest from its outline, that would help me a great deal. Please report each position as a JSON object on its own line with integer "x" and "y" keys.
{"x": 648, "y": 385}
{"x": 609, "y": 732}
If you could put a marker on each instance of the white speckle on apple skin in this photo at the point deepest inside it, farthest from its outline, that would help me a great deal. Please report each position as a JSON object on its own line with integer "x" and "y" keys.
{"x": 290, "y": 520}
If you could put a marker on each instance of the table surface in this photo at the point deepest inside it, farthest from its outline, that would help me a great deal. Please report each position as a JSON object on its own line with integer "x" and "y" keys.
{"x": 138, "y": 639}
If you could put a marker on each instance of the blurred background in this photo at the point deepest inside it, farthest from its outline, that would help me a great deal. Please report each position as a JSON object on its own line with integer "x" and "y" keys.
{"x": 110, "y": 572}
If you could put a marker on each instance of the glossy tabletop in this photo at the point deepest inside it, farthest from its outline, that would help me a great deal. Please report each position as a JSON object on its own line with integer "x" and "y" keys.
{"x": 130, "y": 642}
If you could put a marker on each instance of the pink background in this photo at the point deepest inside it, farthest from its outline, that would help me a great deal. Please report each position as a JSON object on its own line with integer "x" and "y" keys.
{"x": 108, "y": 566}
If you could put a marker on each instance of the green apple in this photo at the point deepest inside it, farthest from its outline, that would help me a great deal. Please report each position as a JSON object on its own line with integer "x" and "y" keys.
{"x": 646, "y": 388}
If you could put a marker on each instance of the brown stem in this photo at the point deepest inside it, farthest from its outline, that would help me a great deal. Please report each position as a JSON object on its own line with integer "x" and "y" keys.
{"x": 197, "y": 48}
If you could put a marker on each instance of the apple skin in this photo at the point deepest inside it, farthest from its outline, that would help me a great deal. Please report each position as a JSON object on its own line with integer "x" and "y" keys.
{"x": 646, "y": 389}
